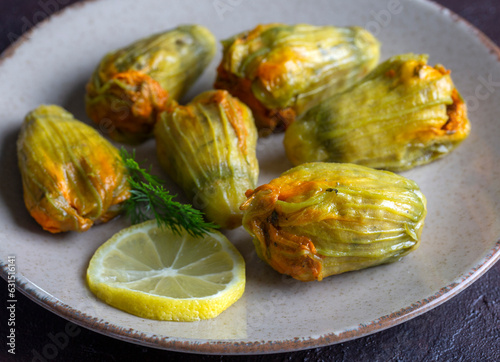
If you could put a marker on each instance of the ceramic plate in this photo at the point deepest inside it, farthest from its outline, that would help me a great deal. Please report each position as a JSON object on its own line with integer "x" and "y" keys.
{"x": 460, "y": 239}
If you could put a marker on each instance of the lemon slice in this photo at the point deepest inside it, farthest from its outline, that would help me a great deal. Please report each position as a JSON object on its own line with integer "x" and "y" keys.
{"x": 153, "y": 273}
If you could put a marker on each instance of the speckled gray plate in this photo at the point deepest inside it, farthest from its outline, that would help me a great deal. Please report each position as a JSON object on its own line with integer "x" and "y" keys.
{"x": 459, "y": 242}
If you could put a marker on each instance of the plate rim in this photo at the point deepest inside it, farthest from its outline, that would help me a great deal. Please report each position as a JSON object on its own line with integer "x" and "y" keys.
{"x": 230, "y": 346}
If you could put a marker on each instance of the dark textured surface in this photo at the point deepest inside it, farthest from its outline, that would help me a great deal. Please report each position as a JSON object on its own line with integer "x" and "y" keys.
{"x": 466, "y": 328}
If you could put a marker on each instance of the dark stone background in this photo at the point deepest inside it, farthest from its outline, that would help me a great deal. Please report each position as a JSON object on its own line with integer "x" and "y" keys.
{"x": 465, "y": 328}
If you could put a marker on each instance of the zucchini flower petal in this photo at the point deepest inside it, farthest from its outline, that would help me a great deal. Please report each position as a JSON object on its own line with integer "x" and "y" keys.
{"x": 403, "y": 114}
{"x": 131, "y": 86}
{"x": 320, "y": 219}
{"x": 72, "y": 177}
{"x": 280, "y": 71}
{"x": 208, "y": 148}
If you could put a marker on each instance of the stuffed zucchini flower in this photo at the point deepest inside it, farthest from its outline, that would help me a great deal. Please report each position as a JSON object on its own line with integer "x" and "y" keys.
{"x": 132, "y": 85}
{"x": 208, "y": 148}
{"x": 403, "y": 114}
{"x": 320, "y": 219}
{"x": 281, "y": 70}
{"x": 72, "y": 177}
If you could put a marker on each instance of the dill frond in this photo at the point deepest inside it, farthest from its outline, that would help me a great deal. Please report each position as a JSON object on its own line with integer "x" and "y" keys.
{"x": 149, "y": 199}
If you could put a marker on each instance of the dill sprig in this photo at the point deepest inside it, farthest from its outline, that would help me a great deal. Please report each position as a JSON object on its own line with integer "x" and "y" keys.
{"x": 150, "y": 199}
